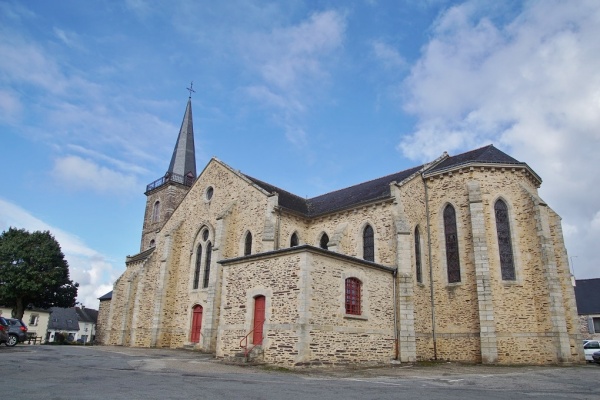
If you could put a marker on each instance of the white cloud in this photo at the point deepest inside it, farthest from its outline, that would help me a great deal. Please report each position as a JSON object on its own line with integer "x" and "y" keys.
{"x": 290, "y": 55}
{"x": 71, "y": 39}
{"x": 292, "y": 66}
{"x": 388, "y": 55}
{"x": 531, "y": 86}
{"x": 82, "y": 174}
{"x": 11, "y": 107}
{"x": 93, "y": 271}
{"x": 28, "y": 63}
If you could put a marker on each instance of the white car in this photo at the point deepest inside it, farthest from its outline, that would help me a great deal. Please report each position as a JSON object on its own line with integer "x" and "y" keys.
{"x": 589, "y": 348}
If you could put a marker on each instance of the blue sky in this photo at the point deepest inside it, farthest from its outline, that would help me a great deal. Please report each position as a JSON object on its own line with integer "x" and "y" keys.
{"x": 310, "y": 96}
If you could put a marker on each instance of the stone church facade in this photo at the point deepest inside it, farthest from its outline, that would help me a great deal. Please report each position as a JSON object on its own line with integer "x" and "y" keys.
{"x": 458, "y": 259}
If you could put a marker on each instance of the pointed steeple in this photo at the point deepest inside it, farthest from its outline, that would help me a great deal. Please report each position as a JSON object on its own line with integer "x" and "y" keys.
{"x": 183, "y": 161}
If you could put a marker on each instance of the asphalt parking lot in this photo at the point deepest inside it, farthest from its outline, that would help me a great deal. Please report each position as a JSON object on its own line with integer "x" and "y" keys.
{"x": 101, "y": 372}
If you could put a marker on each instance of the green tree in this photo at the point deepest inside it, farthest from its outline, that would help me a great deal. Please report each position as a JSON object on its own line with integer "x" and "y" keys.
{"x": 33, "y": 271}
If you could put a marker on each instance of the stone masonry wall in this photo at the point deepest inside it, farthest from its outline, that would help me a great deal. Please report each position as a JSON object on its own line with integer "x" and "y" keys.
{"x": 231, "y": 194}
{"x": 305, "y": 315}
{"x": 101, "y": 326}
{"x": 170, "y": 196}
{"x": 520, "y": 308}
{"x": 304, "y": 291}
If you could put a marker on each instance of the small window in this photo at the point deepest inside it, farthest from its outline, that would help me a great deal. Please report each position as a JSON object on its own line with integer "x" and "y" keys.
{"x": 324, "y": 242}
{"x": 418, "y": 256}
{"x": 294, "y": 240}
{"x": 353, "y": 296}
{"x": 207, "y": 265}
{"x": 248, "y": 244}
{"x": 33, "y": 319}
{"x": 152, "y": 243}
{"x": 209, "y": 192}
{"x": 156, "y": 212}
{"x": 205, "y": 235}
{"x": 594, "y": 324}
{"x": 368, "y": 244}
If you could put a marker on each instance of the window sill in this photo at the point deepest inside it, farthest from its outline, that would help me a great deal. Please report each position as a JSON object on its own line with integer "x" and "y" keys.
{"x": 512, "y": 283}
{"x": 354, "y": 316}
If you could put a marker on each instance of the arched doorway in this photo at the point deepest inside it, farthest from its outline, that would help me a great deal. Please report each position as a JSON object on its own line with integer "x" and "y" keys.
{"x": 259, "y": 320}
{"x": 196, "y": 324}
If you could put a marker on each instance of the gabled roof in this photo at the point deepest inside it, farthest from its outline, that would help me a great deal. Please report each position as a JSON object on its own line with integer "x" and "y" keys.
{"x": 587, "y": 295}
{"x": 63, "y": 319}
{"x": 286, "y": 199}
{"x": 376, "y": 189}
{"x": 379, "y": 189}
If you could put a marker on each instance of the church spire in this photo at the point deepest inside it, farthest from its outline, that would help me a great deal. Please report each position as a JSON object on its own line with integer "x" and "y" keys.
{"x": 183, "y": 161}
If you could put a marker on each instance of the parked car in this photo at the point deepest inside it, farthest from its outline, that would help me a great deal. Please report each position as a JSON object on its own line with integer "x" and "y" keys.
{"x": 4, "y": 330}
{"x": 596, "y": 357}
{"x": 17, "y": 331}
{"x": 590, "y": 348}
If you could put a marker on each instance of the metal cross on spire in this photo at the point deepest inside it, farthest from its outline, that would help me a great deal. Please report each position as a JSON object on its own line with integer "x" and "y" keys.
{"x": 190, "y": 89}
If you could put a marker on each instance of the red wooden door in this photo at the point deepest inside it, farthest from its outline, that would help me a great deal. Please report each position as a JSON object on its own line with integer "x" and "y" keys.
{"x": 196, "y": 324}
{"x": 259, "y": 319}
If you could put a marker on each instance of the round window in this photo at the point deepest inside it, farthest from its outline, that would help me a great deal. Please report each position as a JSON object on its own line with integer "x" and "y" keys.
{"x": 209, "y": 193}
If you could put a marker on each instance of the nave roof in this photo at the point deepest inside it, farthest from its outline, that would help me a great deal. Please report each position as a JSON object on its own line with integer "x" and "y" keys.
{"x": 379, "y": 188}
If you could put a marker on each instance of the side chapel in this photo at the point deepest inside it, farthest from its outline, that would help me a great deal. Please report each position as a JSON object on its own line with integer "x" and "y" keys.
{"x": 457, "y": 259}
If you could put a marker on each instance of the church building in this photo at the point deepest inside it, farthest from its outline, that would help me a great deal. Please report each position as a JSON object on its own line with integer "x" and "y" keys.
{"x": 458, "y": 259}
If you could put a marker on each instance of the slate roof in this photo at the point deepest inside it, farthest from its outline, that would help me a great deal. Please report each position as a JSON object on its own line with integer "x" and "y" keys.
{"x": 484, "y": 155}
{"x": 87, "y": 314}
{"x": 379, "y": 189}
{"x": 184, "y": 153}
{"x": 107, "y": 296}
{"x": 587, "y": 295}
{"x": 63, "y": 319}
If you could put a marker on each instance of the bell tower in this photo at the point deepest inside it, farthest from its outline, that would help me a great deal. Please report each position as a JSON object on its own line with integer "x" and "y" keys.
{"x": 164, "y": 194}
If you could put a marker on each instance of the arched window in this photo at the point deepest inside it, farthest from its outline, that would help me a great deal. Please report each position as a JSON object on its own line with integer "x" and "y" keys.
{"x": 294, "y": 240}
{"x": 152, "y": 243}
{"x": 418, "y": 256}
{"x": 353, "y": 296}
{"x": 197, "y": 269}
{"x": 156, "y": 212}
{"x": 451, "y": 234}
{"x": 248, "y": 244}
{"x": 507, "y": 264}
{"x": 368, "y": 244}
{"x": 324, "y": 241}
{"x": 207, "y": 265}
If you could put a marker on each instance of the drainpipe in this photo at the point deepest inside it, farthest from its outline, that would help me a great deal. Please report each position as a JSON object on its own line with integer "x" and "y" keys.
{"x": 394, "y": 275}
{"x": 433, "y": 332}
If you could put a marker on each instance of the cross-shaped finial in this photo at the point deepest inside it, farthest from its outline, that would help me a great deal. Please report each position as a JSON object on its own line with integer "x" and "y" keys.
{"x": 190, "y": 89}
